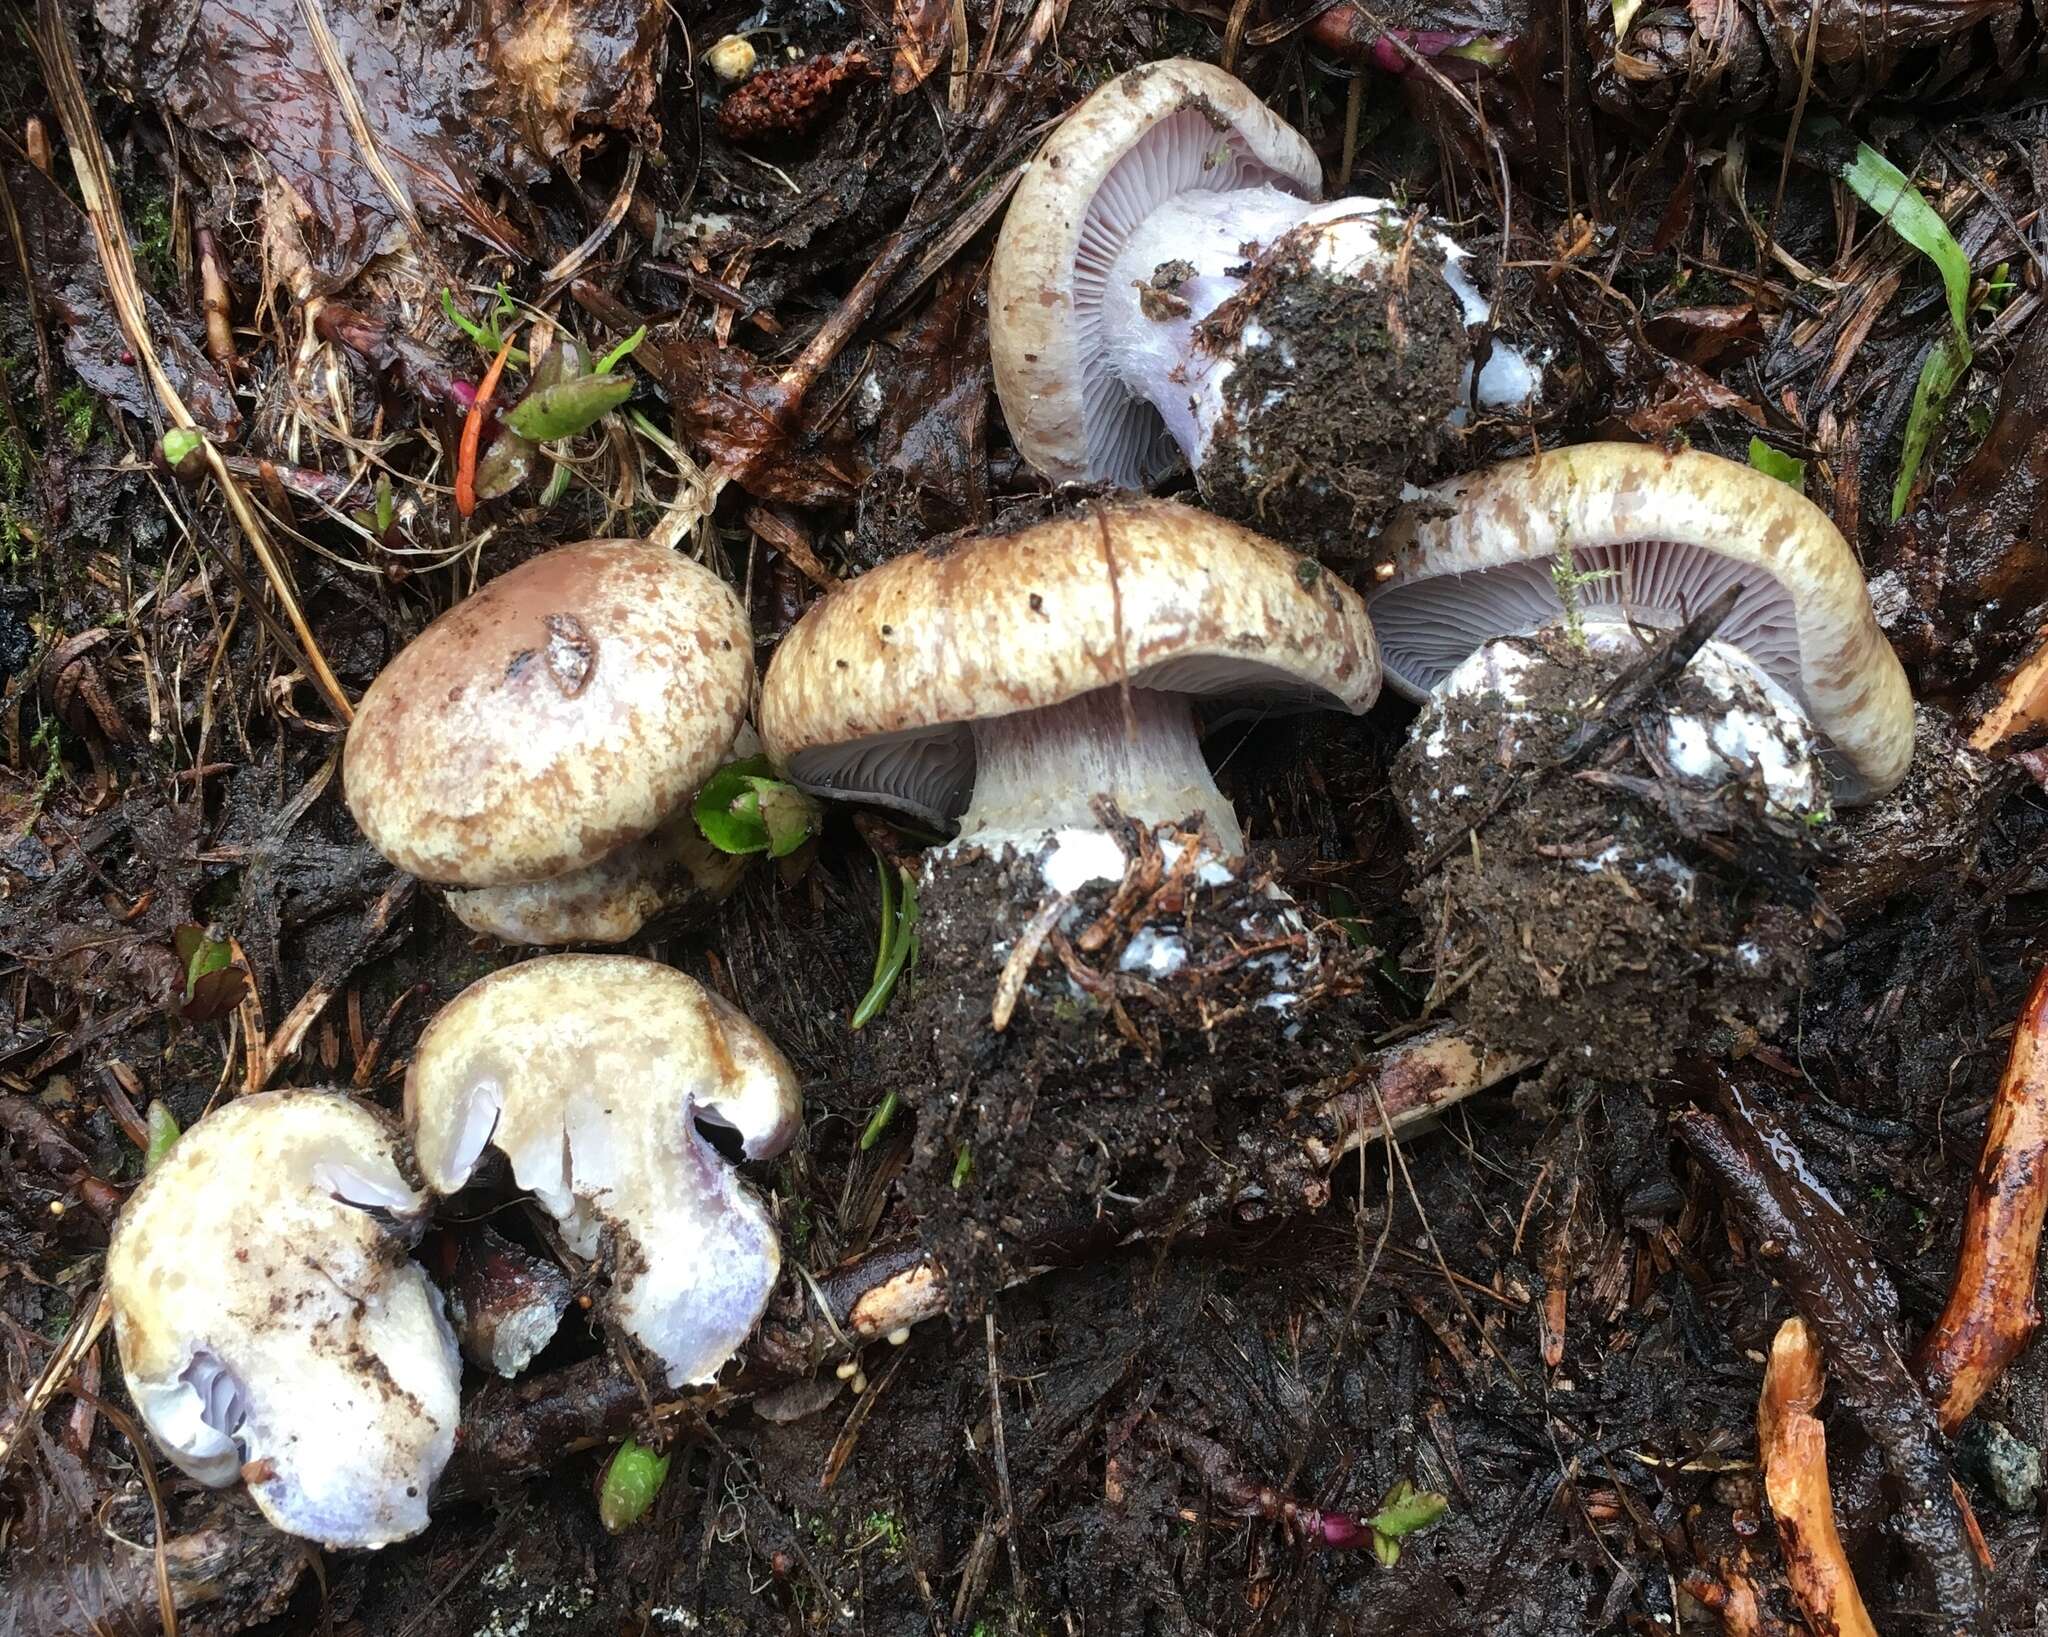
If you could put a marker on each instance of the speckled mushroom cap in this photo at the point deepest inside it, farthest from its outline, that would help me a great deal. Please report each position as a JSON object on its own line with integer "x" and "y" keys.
{"x": 564, "y": 710}
{"x": 596, "y": 1076}
{"x": 266, "y": 1314}
{"x": 1164, "y": 129}
{"x": 871, "y": 693}
{"x": 1664, "y": 534}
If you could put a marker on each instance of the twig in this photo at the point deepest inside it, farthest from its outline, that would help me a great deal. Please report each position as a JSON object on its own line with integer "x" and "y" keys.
{"x": 86, "y": 1327}
{"x": 1002, "y": 1455}
{"x": 1991, "y": 1312}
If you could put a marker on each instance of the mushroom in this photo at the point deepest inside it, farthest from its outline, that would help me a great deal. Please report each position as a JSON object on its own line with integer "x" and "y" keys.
{"x": 603, "y": 1079}
{"x": 1167, "y": 288}
{"x": 1644, "y": 539}
{"x": 270, "y": 1326}
{"x": 530, "y": 745}
{"x": 1009, "y": 682}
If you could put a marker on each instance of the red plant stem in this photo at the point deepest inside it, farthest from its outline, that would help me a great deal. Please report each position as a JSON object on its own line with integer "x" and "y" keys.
{"x": 1338, "y": 1530}
{"x": 1991, "y": 1312}
{"x": 473, "y": 430}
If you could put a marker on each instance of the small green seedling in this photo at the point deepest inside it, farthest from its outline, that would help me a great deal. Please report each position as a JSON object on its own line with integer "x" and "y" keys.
{"x": 744, "y": 808}
{"x": 897, "y": 949}
{"x": 161, "y": 1126}
{"x": 1886, "y": 189}
{"x": 214, "y": 985}
{"x": 490, "y": 334}
{"x": 1776, "y": 463}
{"x": 1406, "y": 1511}
{"x": 183, "y": 450}
{"x": 632, "y": 1481}
{"x": 878, "y": 1122}
{"x": 1570, "y": 579}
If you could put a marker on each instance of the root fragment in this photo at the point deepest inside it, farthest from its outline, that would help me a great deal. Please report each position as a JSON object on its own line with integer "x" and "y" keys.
{"x": 1792, "y": 1448}
{"x": 1991, "y": 1312}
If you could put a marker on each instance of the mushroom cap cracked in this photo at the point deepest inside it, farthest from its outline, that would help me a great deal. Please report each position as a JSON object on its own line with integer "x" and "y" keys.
{"x": 265, "y": 1312}
{"x": 562, "y": 711}
{"x": 1657, "y": 536}
{"x": 592, "y": 1074}
{"x": 870, "y": 695}
{"x": 1184, "y": 126}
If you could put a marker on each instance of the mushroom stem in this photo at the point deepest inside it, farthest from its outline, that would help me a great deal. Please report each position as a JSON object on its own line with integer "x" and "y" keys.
{"x": 1039, "y": 771}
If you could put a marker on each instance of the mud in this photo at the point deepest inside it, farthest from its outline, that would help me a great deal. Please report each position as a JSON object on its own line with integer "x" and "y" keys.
{"x": 1154, "y": 1028}
{"x": 1347, "y": 399}
{"x": 1605, "y": 927}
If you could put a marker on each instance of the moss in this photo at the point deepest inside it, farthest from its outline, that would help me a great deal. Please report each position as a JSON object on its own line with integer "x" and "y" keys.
{"x": 75, "y": 412}
{"x": 152, "y": 226}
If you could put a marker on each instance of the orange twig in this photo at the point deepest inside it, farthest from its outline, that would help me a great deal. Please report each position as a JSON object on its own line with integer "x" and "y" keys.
{"x": 1991, "y": 1313}
{"x": 1793, "y": 1451}
{"x": 473, "y": 430}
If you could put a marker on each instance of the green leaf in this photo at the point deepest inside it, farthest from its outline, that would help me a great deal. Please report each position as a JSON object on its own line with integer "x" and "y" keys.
{"x": 878, "y": 1122}
{"x": 489, "y": 335}
{"x": 622, "y": 351}
{"x": 181, "y": 444}
{"x": 1945, "y": 366}
{"x": 213, "y": 983}
{"x": 897, "y": 949}
{"x": 572, "y": 406}
{"x": 1407, "y": 1511}
{"x": 1886, "y": 189}
{"x": 963, "y": 1166}
{"x": 631, "y": 1482}
{"x": 163, "y": 1131}
{"x": 385, "y": 510}
{"x": 744, "y": 808}
{"x": 1776, "y": 463}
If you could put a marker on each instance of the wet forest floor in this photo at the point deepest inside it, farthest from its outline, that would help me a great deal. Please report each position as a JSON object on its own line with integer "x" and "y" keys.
{"x": 1548, "y": 1307}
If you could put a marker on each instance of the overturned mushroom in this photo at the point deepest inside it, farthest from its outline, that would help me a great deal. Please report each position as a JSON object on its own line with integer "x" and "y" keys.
{"x": 537, "y": 745}
{"x": 270, "y": 1327}
{"x": 599, "y": 1077}
{"x": 1641, "y": 539}
{"x": 1167, "y": 288}
{"x": 1609, "y": 867}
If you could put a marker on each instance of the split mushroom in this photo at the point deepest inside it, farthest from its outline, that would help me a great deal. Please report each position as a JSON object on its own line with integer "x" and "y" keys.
{"x": 599, "y": 1076}
{"x": 1010, "y": 681}
{"x": 270, "y": 1327}
{"x": 1167, "y": 288}
{"x": 1644, "y": 539}
{"x": 532, "y": 745}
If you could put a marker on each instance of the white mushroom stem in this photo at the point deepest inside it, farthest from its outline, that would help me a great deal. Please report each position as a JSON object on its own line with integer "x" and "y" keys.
{"x": 1038, "y": 773}
{"x": 1152, "y": 306}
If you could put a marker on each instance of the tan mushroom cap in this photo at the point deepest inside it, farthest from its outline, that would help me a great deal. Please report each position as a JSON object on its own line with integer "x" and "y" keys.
{"x": 562, "y": 711}
{"x": 870, "y": 693}
{"x": 1035, "y": 319}
{"x": 265, "y": 1310}
{"x": 1665, "y": 533}
{"x": 594, "y": 1074}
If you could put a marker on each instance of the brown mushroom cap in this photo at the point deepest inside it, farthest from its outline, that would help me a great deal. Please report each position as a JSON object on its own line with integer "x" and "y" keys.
{"x": 562, "y": 711}
{"x": 1656, "y": 536}
{"x": 1164, "y": 129}
{"x": 871, "y": 693}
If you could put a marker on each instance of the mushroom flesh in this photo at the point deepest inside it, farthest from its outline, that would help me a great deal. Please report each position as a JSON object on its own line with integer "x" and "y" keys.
{"x": 602, "y": 1079}
{"x": 270, "y": 1326}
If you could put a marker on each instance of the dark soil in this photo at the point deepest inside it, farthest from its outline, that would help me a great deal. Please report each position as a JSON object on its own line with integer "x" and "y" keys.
{"x": 1351, "y": 390}
{"x": 1161, "y": 1023}
{"x": 1605, "y": 928}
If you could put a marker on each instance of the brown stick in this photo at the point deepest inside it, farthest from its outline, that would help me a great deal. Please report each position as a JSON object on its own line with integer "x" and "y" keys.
{"x": 1991, "y": 1312}
{"x": 1793, "y": 1451}
{"x": 214, "y": 299}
